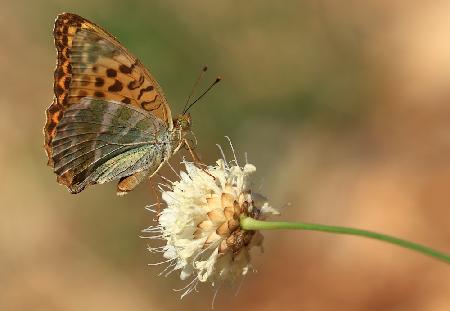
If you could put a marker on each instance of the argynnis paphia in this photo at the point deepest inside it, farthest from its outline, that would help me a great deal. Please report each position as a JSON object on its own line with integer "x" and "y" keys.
{"x": 109, "y": 118}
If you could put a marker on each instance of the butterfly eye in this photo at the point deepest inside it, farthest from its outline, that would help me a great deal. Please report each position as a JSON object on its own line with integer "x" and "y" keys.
{"x": 184, "y": 122}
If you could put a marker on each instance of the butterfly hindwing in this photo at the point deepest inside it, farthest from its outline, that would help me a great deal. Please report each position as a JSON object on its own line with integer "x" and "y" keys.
{"x": 97, "y": 141}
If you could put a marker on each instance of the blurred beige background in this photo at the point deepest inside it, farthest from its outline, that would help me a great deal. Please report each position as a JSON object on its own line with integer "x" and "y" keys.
{"x": 343, "y": 106}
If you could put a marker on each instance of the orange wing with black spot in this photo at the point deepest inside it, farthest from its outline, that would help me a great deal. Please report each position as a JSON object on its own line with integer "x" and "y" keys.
{"x": 92, "y": 63}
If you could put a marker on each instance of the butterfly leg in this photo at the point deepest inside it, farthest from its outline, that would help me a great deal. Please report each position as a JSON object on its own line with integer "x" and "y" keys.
{"x": 196, "y": 158}
{"x": 191, "y": 150}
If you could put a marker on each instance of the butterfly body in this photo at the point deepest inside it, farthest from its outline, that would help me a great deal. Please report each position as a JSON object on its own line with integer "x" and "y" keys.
{"x": 109, "y": 119}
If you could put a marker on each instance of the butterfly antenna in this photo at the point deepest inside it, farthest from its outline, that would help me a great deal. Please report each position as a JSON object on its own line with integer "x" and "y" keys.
{"x": 218, "y": 79}
{"x": 194, "y": 87}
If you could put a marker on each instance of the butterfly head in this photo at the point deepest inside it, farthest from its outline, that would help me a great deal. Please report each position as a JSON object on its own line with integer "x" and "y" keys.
{"x": 183, "y": 122}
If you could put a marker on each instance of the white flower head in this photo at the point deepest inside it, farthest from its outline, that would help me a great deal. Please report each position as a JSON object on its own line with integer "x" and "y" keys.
{"x": 200, "y": 223}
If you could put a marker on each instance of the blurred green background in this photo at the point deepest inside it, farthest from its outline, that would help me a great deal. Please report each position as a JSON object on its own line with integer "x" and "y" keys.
{"x": 343, "y": 106}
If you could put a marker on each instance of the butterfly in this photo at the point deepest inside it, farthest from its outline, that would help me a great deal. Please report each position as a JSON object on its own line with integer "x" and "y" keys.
{"x": 109, "y": 119}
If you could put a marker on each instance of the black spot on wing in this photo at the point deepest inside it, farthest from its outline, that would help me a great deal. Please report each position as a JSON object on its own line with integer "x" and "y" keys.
{"x": 125, "y": 69}
{"x": 126, "y": 100}
{"x": 116, "y": 87}
{"x": 147, "y": 89}
{"x": 111, "y": 73}
{"x": 144, "y": 105}
{"x": 136, "y": 83}
{"x": 99, "y": 81}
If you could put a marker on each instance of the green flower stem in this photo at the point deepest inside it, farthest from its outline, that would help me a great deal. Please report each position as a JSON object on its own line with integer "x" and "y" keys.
{"x": 248, "y": 223}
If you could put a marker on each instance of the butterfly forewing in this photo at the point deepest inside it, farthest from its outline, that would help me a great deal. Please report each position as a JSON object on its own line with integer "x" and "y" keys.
{"x": 92, "y": 63}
